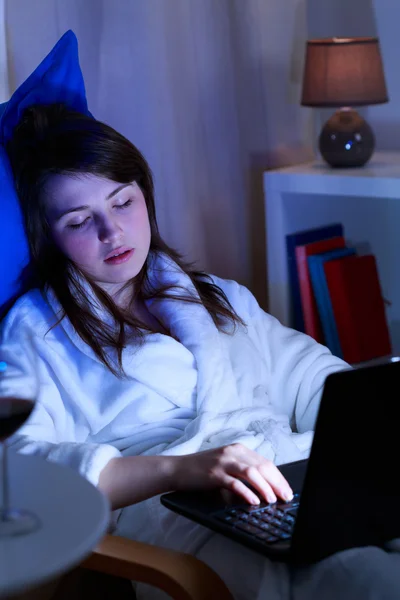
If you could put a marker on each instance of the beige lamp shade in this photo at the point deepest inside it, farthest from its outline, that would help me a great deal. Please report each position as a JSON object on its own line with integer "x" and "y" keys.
{"x": 342, "y": 72}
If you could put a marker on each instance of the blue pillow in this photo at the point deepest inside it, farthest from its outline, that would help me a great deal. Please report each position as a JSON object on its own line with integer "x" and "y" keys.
{"x": 58, "y": 78}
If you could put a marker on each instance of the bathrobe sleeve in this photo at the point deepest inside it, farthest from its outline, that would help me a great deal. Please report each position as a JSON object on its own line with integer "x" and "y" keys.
{"x": 44, "y": 432}
{"x": 296, "y": 365}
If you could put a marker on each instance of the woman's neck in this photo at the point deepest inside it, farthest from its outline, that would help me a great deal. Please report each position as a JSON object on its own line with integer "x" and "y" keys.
{"x": 139, "y": 309}
{"x": 121, "y": 293}
{"x": 123, "y": 296}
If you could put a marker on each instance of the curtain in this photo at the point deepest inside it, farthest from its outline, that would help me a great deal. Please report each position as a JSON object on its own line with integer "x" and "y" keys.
{"x": 207, "y": 89}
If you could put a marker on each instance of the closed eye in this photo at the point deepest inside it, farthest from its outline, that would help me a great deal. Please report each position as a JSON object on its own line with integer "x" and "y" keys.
{"x": 125, "y": 204}
{"x": 78, "y": 225}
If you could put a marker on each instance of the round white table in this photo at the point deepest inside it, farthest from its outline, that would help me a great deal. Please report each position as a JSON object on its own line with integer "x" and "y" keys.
{"x": 73, "y": 516}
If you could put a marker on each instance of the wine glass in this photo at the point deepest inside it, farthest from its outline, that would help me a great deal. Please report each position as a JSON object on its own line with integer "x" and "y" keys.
{"x": 18, "y": 392}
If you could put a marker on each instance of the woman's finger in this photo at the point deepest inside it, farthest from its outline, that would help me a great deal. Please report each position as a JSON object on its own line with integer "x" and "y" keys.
{"x": 268, "y": 470}
{"x": 252, "y": 475}
{"x": 276, "y": 480}
{"x": 238, "y": 487}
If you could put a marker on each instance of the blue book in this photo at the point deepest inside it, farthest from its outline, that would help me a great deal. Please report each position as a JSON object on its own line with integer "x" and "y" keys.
{"x": 322, "y": 296}
{"x": 301, "y": 238}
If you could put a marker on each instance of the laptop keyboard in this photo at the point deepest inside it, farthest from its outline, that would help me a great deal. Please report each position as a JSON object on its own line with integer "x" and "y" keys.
{"x": 267, "y": 522}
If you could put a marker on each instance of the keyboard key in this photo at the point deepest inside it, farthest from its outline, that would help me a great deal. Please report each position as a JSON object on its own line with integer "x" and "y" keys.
{"x": 289, "y": 518}
{"x": 251, "y": 509}
{"x": 257, "y": 523}
{"x": 237, "y": 520}
{"x": 265, "y": 526}
{"x": 229, "y": 519}
{"x": 265, "y": 516}
{"x": 254, "y": 521}
{"x": 266, "y": 537}
{"x": 246, "y": 527}
{"x": 232, "y": 512}
{"x": 266, "y": 510}
{"x": 226, "y": 518}
{"x": 287, "y": 527}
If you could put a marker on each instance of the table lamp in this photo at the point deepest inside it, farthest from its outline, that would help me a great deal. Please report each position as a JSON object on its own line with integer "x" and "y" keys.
{"x": 343, "y": 73}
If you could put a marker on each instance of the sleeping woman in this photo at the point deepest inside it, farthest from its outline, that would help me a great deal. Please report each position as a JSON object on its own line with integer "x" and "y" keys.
{"x": 155, "y": 376}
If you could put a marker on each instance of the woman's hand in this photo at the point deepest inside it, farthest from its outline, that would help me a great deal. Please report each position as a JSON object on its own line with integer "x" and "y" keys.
{"x": 228, "y": 467}
{"x": 130, "y": 479}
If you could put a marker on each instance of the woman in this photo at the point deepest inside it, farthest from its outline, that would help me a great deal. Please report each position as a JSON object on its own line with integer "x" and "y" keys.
{"x": 154, "y": 376}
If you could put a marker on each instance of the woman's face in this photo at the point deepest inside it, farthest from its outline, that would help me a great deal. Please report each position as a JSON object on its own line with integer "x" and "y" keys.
{"x": 100, "y": 225}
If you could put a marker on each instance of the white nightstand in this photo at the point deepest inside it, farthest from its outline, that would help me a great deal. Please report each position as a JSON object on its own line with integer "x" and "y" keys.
{"x": 365, "y": 200}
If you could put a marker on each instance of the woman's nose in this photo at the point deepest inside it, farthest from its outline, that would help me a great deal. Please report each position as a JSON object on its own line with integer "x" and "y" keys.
{"x": 109, "y": 231}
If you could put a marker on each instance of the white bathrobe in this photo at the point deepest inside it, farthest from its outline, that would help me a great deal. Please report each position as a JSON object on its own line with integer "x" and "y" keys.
{"x": 260, "y": 386}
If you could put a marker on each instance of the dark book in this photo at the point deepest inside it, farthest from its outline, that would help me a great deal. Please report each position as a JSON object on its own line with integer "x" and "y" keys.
{"x": 299, "y": 239}
{"x": 358, "y": 307}
{"x": 320, "y": 286}
{"x": 312, "y": 323}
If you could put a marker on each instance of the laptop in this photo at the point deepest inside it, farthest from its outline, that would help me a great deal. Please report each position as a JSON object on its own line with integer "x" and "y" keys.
{"x": 347, "y": 494}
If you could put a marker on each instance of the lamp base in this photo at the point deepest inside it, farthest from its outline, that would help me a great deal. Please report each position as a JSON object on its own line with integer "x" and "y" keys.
{"x": 346, "y": 139}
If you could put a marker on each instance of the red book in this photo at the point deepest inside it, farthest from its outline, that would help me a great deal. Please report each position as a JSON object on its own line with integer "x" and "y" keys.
{"x": 312, "y": 325}
{"x": 358, "y": 307}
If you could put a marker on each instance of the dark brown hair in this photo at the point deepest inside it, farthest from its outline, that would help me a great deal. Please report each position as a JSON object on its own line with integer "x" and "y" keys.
{"x": 52, "y": 140}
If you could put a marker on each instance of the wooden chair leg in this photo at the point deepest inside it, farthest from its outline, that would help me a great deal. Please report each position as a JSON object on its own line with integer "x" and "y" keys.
{"x": 180, "y": 575}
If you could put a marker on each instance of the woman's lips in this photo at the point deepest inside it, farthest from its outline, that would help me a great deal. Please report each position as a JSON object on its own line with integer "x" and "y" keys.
{"x": 121, "y": 258}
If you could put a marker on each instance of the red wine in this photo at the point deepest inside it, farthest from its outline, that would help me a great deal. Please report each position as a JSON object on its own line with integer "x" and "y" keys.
{"x": 13, "y": 413}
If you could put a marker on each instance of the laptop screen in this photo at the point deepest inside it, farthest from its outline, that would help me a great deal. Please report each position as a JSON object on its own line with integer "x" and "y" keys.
{"x": 351, "y": 492}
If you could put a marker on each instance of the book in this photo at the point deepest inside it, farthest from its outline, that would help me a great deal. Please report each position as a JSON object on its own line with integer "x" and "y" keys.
{"x": 299, "y": 239}
{"x": 358, "y": 307}
{"x": 322, "y": 297}
{"x": 312, "y": 324}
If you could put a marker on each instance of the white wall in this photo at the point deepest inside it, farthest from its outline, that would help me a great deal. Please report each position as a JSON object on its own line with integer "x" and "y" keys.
{"x": 385, "y": 119}
{"x": 342, "y": 18}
